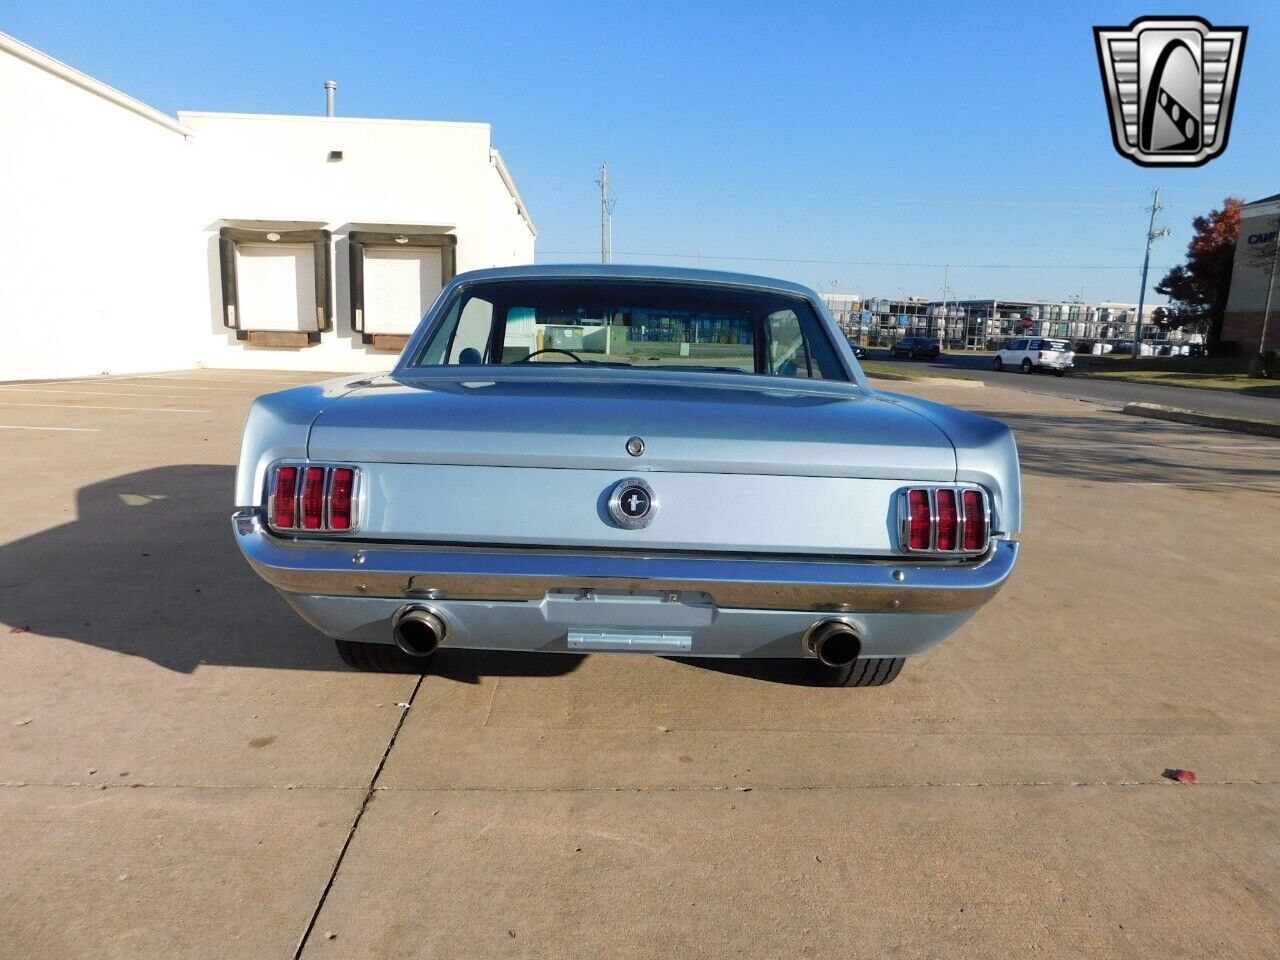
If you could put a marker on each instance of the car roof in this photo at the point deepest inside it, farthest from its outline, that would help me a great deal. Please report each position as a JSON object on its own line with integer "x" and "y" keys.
{"x": 619, "y": 271}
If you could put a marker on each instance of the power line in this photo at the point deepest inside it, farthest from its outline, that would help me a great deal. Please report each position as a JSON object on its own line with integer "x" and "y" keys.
{"x": 847, "y": 263}
{"x": 975, "y": 201}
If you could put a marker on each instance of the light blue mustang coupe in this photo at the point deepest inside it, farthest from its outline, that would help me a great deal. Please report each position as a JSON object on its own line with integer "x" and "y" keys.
{"x": 627, "y": 459}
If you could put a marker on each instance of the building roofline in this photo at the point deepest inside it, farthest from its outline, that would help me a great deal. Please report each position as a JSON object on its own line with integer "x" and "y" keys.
{"x": 62, "y": 71}
{"x": 277, "y": 117}
{"x": 496, "y": 157}
{"x": 1261, "y": 208}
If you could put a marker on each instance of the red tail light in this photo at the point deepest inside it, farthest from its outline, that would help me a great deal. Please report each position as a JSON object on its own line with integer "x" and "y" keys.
{"x": 341, "y": 481}
{"x": 312, "y": 498}
{"x": 975, "y": 520}
{"x": 947, "y": 520}
{"x": 943, "y": 520}
{"x": 920, "y": 520}
{"x": 284, "y": 498}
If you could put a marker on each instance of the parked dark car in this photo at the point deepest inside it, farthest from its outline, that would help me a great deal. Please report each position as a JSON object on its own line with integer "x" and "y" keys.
{"x": 917, "y": 348}
{"x": 859, "y": 350}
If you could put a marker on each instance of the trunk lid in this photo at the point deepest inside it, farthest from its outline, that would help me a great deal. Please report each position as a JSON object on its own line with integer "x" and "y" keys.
{"x": 585, "y": 421}
{"x": 771, "y": 469}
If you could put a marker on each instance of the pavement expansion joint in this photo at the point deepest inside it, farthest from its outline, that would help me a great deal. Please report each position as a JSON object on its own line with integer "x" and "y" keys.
{"x": 817, "y": 787}
{"x": 355, "y": 823}
{"x": 663, "y": 788}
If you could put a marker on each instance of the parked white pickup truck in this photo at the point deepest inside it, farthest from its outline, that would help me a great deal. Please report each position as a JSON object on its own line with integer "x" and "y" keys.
{"x": 1036, "y": 353}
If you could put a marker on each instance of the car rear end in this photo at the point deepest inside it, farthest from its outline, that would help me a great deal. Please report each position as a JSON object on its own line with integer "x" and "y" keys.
{"x": 747, "y": 547}
{"x": 1056, "y": 355}
{"x": 563, "y": 509}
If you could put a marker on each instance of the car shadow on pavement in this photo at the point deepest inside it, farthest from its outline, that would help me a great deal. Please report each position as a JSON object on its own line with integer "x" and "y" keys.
{"x": 149, "y": 568}
{"x": 470, "y": 666}
{"x": 794, "y": 671}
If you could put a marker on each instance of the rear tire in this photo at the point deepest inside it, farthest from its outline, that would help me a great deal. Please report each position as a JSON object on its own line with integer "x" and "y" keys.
{"x": 1026, "y": 366}
{"x": 864, "y": 672}
{"x": 911, "y": 355}
{"x": 380, "y": 657}
{"x": 1059, "y": 373}
{"x": 999, "y": 365}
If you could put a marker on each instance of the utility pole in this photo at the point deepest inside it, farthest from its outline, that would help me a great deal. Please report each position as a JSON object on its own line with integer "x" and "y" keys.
{"x": 1152, "y": 235}
{"x": 606, "y": 215}
{"x": 946, "y": 289}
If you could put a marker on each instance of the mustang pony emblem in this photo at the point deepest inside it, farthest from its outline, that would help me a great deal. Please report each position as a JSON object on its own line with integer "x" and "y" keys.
{"x": 632, "y": 503}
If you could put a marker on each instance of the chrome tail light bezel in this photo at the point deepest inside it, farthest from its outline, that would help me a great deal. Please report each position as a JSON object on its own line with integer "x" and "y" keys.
{"x": 958, "y": 491}
{"x": 325, "y": 529}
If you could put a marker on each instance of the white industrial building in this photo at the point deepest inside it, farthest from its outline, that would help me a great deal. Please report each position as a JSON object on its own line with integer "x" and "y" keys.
{"x": 137, "y": 241}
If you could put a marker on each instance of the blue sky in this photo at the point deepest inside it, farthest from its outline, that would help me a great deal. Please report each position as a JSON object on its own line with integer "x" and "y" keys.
{"x": 760, "y": 136}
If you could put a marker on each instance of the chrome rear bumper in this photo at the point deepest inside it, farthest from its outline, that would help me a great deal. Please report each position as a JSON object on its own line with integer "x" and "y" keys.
{"x": 355, "y": 569}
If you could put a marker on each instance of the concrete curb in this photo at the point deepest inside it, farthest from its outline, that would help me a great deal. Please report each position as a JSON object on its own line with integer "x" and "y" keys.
{"x": 1156, "y": 411}
{"x": 952, "y": 382}
{"x": 930, "y": 381}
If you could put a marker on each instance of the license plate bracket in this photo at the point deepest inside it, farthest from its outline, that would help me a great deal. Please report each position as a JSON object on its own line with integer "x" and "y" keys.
{"x": 630, "y": 641}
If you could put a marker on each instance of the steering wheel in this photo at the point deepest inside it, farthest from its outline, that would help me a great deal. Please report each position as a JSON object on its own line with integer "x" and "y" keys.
{"x": 567, "y": 353}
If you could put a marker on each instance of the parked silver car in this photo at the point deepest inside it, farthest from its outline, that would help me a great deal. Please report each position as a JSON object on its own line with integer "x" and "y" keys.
{"x": 606, "y": 458}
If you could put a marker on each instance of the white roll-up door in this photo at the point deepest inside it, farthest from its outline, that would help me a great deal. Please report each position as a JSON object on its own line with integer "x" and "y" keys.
{"x": 276, "y": 286}
{"x": 400, "y": 283}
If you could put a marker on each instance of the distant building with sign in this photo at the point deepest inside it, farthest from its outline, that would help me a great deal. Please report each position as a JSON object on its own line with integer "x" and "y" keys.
{"x": 1253, "y": 271}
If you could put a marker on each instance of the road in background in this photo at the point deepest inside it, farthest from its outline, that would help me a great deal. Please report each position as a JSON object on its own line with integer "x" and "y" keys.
{"x": 1110, "y": 392}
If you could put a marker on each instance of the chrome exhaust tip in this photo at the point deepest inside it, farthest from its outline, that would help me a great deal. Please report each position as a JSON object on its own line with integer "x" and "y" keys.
{"x": 419, "y": 631}
{"x": 834, "y": 642}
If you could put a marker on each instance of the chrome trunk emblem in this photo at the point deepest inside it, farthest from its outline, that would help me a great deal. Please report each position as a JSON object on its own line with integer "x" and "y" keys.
{"x": 632, "y": 504}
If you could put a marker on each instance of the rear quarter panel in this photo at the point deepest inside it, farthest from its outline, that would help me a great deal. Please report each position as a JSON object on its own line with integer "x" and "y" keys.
{"x": 986, "y": 454}
{"x": 277, "y": 428}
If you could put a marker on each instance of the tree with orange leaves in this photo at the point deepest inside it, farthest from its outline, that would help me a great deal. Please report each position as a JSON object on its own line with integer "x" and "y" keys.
{"x": 1199, "y": 287}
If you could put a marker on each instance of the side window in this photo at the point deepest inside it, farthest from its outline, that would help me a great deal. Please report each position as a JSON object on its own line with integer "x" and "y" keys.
{"x": 798, "y": 348}
{"x": 471, "y": 342}
{"x": 787, "y": 354}
{"x": 1034, "y": 345}
{"x": 463, "y": 335}
{"x": 1019, "y": 345}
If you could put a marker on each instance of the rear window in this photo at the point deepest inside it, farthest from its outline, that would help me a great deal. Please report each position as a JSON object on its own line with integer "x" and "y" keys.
{"x": 619, "y": 323}
{"x": 1058, "y": 346}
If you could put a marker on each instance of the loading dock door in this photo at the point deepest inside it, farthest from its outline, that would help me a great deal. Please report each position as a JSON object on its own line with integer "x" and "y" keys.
{"x": 395, "y": 277}
{"x": 400, "y": 283}
{"x": 277, "y": 286}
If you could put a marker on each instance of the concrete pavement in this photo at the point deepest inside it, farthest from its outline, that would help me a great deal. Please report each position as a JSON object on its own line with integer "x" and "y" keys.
{"x": 182, "y": 762}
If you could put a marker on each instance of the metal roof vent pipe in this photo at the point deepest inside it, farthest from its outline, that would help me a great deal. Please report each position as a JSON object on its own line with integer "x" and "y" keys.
{"x": 330, "y": 88}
